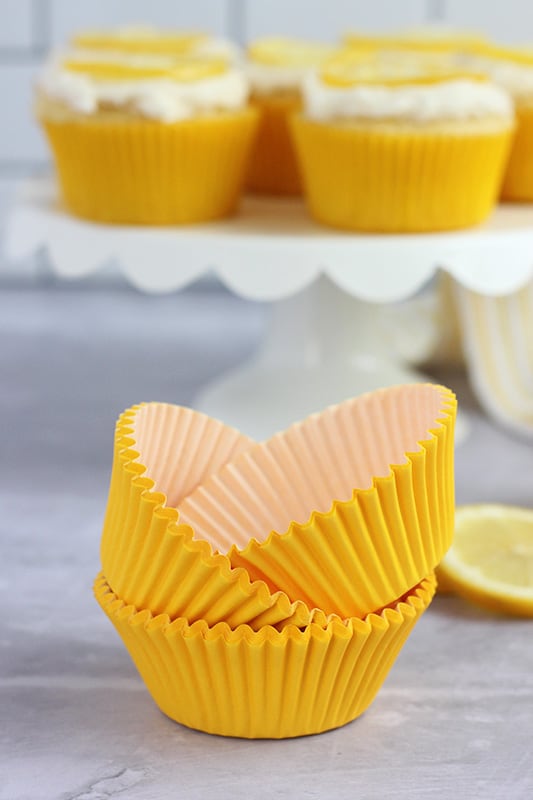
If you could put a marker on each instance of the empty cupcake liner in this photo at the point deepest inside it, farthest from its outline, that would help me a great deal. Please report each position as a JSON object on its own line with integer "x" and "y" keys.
{"x": 148, "y": 556}
{"x": 300, "y": 549}
{"x": 345, "y": 510}
{"x": 264, "y": 684}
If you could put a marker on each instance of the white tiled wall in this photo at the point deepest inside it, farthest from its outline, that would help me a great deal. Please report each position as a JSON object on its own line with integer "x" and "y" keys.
{"x": 21, "y": 142}
{"x": 29, "y": 27}
{"x": 327, "y": 19}
{"x": 16, "y": 24}
{"x": 506, "y": 20}
{"x": 67, "y": 16}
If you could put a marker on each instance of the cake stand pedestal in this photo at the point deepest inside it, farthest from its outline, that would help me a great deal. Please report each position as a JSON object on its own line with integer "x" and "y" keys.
{"x": 324, "y": 342}
{"x": 321, "y": 346}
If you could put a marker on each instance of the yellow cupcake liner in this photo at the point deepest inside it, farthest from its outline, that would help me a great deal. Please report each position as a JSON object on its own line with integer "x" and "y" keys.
{"x": 344, "y": 511}
{"x": 138, "y": 171}
{"x": 518, "y": 178}
{"x": 264, "y": 684}
{"x": 384, "y": 178}
{"x": 273, "y": 166}
{"x": 152, "y": 560}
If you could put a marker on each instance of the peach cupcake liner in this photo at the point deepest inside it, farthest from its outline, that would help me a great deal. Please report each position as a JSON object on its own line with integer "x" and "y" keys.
{"x": 337, "y": 551}
{"x": 138, "y": 171}
{"x": 386, "y": 178}
{"x": 264, "y": 684}
{"x": 148, "y": 556}
{"x": 344, "y": 511}
{"x": 273, "y": 166}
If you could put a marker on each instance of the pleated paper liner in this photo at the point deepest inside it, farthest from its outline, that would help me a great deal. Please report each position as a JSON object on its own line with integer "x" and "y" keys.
{"x": 392, "y": 178}
{"x": 264, "y": 684}
{"x": 162, "y": 452}
{"x": 345, "y": 510}
{"x": 518, "y": 178}
{"x": 123, "y": 169}
{"x": 273, "y": 166}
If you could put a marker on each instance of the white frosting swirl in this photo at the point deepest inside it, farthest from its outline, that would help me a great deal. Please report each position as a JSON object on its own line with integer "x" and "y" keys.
{"x": 155, "y": 98}
{"x": 516, "y": 78}
{"x": 266, "y": 78}
{"x": 450, "y": 100}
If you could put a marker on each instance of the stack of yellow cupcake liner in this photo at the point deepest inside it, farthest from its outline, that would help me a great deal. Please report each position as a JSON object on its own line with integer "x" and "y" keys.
{"x": 264, "y": 590}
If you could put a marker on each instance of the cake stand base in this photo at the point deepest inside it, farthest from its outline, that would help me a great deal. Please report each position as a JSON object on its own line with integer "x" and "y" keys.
{"x": 261, "y": 399}
{"x": 322, "y": 346}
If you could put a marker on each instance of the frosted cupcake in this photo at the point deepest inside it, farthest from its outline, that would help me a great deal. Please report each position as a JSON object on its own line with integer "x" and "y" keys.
{"x": 276, "y": 69}
{"x": 398, "y": 147}
{"x": 512, "y": 69}
{"x": 147, "y": 138}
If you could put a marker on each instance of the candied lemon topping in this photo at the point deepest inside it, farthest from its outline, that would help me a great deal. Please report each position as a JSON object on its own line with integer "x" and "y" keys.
{"x": 422, "y": 41}
{"x": 491, "y": 559}
{"x": 346, "y": 69}
{"x": 140, "y": 40}
{"x": 183, "y": 70}
{"x": 516, "y": 55}
{"x": 281, "y": 52}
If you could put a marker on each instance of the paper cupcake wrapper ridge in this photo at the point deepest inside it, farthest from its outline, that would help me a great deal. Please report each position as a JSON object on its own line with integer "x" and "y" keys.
{"x": 271, "y": 507}
{"x": 266, "y": 683}
{"x": 138, "y": 171}
{"x": 148, "y": 556}
{"x": 367, "y": 178}
{"x": 273, "y": 166}
{"x": 518, "y": 178}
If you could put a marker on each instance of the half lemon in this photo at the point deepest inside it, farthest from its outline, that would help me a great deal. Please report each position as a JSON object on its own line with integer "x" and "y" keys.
{"x": 491, "y": 560}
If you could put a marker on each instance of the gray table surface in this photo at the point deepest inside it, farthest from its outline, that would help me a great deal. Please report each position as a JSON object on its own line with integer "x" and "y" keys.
{"x": 455, "y": 716}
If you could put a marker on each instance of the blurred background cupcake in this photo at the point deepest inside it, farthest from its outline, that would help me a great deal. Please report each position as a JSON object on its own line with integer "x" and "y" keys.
{"x": 401, "y": 142}
{"x": 276, "y": 68}
{"x": 512, "y": 69}
{"x": 146, "y": 129}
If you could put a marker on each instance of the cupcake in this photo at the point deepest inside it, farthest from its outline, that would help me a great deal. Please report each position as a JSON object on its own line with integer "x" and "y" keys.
{"x": 512, "y": 69}
{"x": 401, "y": 144}
{"x": 147, "y": 138}
{"x": 276, "y": 69}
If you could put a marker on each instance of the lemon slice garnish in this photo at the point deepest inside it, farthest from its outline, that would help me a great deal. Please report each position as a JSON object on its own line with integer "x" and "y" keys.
{"x": 429, "y": 42}
{"x": 345, "y": 70}
{"x": 138, "y": 42}
{"x": 281, "y": 52}
{"x": 517, "y": 55}
{"x": 181, "y": 70}
{"x": 491, "y": 560}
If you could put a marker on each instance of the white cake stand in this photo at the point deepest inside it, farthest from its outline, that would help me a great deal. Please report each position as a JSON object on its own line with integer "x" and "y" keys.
{"x": 324, "y": 342}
